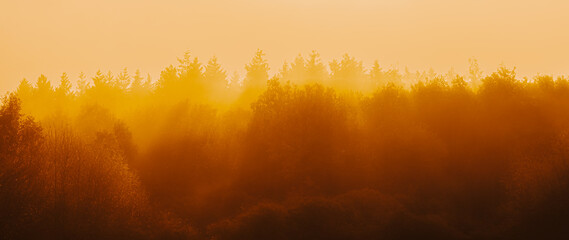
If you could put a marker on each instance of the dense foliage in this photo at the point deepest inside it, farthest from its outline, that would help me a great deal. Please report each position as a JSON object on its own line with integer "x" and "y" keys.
{"x": 314, "y": 152}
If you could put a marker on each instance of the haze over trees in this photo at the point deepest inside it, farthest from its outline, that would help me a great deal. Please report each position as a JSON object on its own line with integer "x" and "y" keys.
{"x": 335, "y": 150}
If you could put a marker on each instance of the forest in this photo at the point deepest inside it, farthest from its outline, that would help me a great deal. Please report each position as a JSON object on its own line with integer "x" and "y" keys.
{"x": 317, "y": 150}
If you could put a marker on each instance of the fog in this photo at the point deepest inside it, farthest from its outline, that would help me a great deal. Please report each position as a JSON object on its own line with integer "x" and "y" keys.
{"x": 316, "y": 150}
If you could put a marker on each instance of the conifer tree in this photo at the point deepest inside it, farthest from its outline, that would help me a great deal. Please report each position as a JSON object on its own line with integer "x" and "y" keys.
{"x": 257, "y": 71}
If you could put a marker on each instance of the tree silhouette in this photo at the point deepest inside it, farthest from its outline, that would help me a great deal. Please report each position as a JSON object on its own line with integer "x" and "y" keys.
{"x": 315, "y": 69}
{"x": 64, "y": 88}
{"x": 215, "y": 76}
{"x": 203, "y": 155}
{"x": 348, "y": 73}
{"x": 474, "y": 72}
{"x": 257, "y": 71}
{"x": 137, "y": 82}
{"x": 123, "y": 80}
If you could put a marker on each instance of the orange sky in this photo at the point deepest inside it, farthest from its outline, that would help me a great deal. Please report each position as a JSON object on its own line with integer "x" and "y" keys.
{"x": 55, "y": 36}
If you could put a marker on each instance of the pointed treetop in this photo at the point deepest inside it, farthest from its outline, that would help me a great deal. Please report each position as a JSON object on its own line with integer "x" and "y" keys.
{"x": 64, "y": 87}
{"x": 43, "y": 83}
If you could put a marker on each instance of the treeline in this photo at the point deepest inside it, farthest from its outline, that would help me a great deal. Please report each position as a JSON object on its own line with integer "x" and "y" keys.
{"x": 210, "y": 83}
{"x": 314, "y": 152}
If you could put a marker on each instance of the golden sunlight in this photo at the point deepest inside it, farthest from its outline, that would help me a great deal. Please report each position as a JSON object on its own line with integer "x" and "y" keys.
{"x": 311, "y": 119}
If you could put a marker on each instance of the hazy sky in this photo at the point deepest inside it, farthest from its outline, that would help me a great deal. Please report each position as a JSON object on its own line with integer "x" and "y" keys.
{"x": 55, "y": 36}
